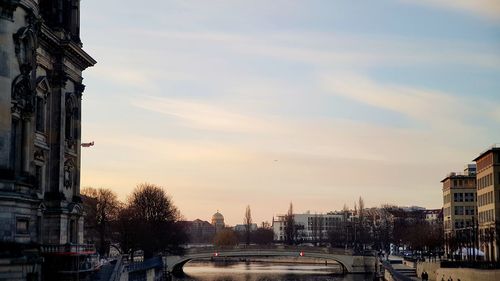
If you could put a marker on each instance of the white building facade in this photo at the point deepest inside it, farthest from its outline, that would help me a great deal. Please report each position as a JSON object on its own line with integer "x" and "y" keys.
{"x": 309, "y": 227}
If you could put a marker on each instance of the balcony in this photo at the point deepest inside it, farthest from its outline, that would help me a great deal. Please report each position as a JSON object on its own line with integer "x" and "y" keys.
{"x": 68, "y": 249}
{"x": 69, "y": 261}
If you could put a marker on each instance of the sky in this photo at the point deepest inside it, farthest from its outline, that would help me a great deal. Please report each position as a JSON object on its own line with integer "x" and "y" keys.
{"x": 229, "y": 103}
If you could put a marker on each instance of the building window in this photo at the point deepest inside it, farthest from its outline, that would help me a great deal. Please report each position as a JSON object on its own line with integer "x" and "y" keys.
{"x": 469, "y": 197}
{"x": 39, "y": 228}
{"x": 70, "y": 126}
{"x": 72, "y": 231}
{"x": 458, "y": 197}
{"x": 40, "y": 114}
{"x": 459, "y": 224}
{"x": 469, "y": 210}
{"x": 459, "y": 210}
{"x": 22, "y": 226}
{"x": 39, "y": 176}
{"x": 68, "y": 129}
{"x": 15, "y": 144}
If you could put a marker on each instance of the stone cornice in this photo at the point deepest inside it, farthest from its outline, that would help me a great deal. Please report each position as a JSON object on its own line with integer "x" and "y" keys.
{"x": 66, "y": 47}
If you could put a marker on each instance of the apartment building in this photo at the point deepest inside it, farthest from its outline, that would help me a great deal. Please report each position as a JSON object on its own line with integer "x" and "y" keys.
{"x": 459, "y": 206}
{"x": 488, "y": 201}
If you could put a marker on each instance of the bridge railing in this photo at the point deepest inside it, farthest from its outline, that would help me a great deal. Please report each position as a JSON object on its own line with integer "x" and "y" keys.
{"x": 326, "y": 250}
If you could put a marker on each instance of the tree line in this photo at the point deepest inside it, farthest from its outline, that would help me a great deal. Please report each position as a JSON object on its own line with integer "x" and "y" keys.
{"x": 374, "y": 229}
{"x": 262, "y": 235}
{"x": 147, "y": 221}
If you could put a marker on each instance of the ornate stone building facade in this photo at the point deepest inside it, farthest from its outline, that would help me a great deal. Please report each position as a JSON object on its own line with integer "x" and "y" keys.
{"x": 41, "y": 64}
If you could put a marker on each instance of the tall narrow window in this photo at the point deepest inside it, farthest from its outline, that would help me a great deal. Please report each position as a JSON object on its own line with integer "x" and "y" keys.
{"x": 15, "y": 144}
{"x": 39, "y": 176}
{"x": 39, "y": 228}
{"x": 72, "y": 231}
{"x": 69, "y": 121}
{"x": 40, "y": 114}
{"x": 70, "y": 129}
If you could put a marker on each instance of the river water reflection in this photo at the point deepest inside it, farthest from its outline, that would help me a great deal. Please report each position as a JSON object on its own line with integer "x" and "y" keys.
{"x": 207, "y": 271}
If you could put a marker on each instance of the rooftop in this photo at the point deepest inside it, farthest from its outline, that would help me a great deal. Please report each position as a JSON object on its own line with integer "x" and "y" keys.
{"x": 494, "y": 147}
{"x": 458, "y": 175}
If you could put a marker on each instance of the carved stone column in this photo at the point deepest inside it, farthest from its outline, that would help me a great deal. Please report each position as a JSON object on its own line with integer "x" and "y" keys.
{"x": 79, "y": 88}
{"x": 7, "y": 28}
{"x": 58, "y": 81}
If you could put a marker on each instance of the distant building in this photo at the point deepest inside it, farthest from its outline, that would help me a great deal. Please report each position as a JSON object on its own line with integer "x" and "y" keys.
{"x": 459, "y": 206}
{"x": 200, "y": 231}
{"x": 243, "y": 227}
{"x": 310, "y": 227}
{"x": 218, "y": 221}
{"x": 433, "y": 216}
{"x": 488, "y": 201}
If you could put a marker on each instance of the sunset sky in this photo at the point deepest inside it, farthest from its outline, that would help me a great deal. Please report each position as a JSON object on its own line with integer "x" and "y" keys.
{"x": 262, "y": 103}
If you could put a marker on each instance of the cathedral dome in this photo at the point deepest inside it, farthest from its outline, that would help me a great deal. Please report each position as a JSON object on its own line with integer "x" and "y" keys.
{"x": 218, "y": 220}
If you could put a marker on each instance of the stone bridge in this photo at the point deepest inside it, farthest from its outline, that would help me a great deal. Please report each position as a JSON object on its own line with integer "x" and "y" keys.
{"x": 350, "y": 263}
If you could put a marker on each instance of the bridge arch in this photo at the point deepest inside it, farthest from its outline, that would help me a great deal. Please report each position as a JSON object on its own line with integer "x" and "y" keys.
{"x": 176, "y": 264}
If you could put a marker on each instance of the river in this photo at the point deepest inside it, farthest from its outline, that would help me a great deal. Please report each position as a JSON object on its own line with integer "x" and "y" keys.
{"x": 207, "y": 271}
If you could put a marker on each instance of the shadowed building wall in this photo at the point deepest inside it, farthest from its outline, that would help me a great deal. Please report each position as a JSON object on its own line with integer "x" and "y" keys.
{"x": 41, "y": 64}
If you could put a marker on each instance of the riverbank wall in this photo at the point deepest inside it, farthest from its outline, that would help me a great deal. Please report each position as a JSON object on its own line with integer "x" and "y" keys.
{"x": 429, "y": 267}
{"x": 436, "y": 273}
{"x": 467, "y": 274}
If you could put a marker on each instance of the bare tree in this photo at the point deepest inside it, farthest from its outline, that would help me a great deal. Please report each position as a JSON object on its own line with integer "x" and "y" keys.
{"x": 225, "y": 238}
{"x": 290, "y": 228}
{"x": 128, "y": 234}
{"x": 361, "y": 229}
{"x": 263, "y": 236}
{"x": 361, "y": 208}
{"x": 386, "y": 228}
{"x": 315, "y": 229}
{"x": 155, "y": 220}
{"x": 101, "y": 207}
{"x": 247, "y": 221}
{"x": 321, "y": 226}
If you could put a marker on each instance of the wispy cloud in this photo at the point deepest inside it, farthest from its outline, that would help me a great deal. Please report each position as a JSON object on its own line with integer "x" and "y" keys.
{"x": 203, "y": 115}
{"x": 335, "y": 50}
{"x": 438, "y": 110}
{"x": 489, "y": 9}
